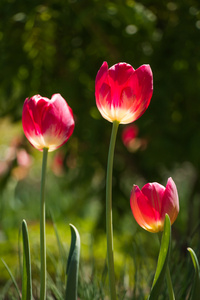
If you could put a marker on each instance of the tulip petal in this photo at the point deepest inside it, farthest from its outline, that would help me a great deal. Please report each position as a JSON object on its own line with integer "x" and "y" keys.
{"x": 31, "y": 122}
{"x": 119, "y": 74}
{"x": 57, "y": 124}
{"x": 142, "y": 85}
{"x": 100, "y": 78}
{"x": 170, "y": 202}
{"x": 154, "y": 193}
{"x": 105, "y": 95}
{"x": 142, "y": 210}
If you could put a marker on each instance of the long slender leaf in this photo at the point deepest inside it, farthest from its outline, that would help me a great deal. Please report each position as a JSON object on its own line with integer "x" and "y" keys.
{"x": 26, "y": 278}
{"x": 20, "y": 251}
{"x": 73, "y": 265}
{"x": 196, "y": 285}
{"x": 12, "y": 277}
{"x": 162, "y": 260}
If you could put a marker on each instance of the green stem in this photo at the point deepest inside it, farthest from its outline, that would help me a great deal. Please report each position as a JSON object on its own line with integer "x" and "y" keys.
{"x": 168, "y": 276}
{"x": 169, "y": 285}
{"x": 42, "y": 229}
{"x": 109, "y": 225}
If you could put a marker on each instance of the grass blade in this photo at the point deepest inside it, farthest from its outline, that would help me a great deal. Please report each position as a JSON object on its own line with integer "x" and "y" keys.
{"x": 162, "y": 261}
{"x": 196, "y": 285}
{"x": 13, "y": 279}
{"x": 59, "y": 243}
{"x": 73, "y": 265}
{"x": 26, "y": 277}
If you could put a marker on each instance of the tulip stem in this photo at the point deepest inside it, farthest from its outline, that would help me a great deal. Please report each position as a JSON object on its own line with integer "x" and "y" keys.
{"x": 109, "y": 225}
{"x": 169, "y": 284}
{"x": 42, "y": 229}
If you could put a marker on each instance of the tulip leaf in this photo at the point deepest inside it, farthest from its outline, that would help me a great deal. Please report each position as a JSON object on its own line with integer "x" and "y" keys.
{"x": 162, "y": 260}
{"x": 73, "y": 265}
{"x": 196, "y": 285}
{"x": 12, "y": 277}
{"x": 26, "y": 277}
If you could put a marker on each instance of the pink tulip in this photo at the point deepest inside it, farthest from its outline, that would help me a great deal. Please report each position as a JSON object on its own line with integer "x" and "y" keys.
{"x": 122, "y": 93}
{"x": 150, "y": 204}
{"x": 47, "y": 123}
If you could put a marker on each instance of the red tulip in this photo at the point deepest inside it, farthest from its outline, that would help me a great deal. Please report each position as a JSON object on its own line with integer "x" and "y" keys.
{"x": 150, "y": 204}
{"x": 47, "y": 123}
{"x": 122, "y": 93}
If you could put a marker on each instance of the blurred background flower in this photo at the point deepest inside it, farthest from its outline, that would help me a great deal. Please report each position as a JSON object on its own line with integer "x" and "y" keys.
{"x": 16, "y": 160}
{"x": 131, "y": 140}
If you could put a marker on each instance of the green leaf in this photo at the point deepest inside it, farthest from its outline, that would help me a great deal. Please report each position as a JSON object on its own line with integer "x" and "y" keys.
{"x": 196, "y": 285}
{"x": 162, "y": 260}
{"x": 26, "y": 277}
{"x": 12, "y": 277}
{"x": 73, "y": 265}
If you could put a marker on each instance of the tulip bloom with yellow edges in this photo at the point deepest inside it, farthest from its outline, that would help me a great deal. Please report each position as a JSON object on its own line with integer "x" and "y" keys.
{"x": 122, "y": 93}
{"x": 150, "y": 204}
{"x": 47, "y": 123}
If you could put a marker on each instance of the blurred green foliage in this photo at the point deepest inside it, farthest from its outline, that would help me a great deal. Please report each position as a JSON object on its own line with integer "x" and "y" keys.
{"x": 57, "y": 46}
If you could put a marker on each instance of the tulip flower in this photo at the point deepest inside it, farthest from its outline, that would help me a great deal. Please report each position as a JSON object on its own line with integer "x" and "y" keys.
{"x": 150, "y": 204}
{"x": 122, "y": 96}
{"x": 122, "y": 93}
{"x": 47, "y": 123}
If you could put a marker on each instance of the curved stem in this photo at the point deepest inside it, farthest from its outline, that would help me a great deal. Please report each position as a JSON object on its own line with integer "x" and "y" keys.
{"x": 42, "y": 229}
{"x": 109, "y": 225}
{"x": 169, "y": 285}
